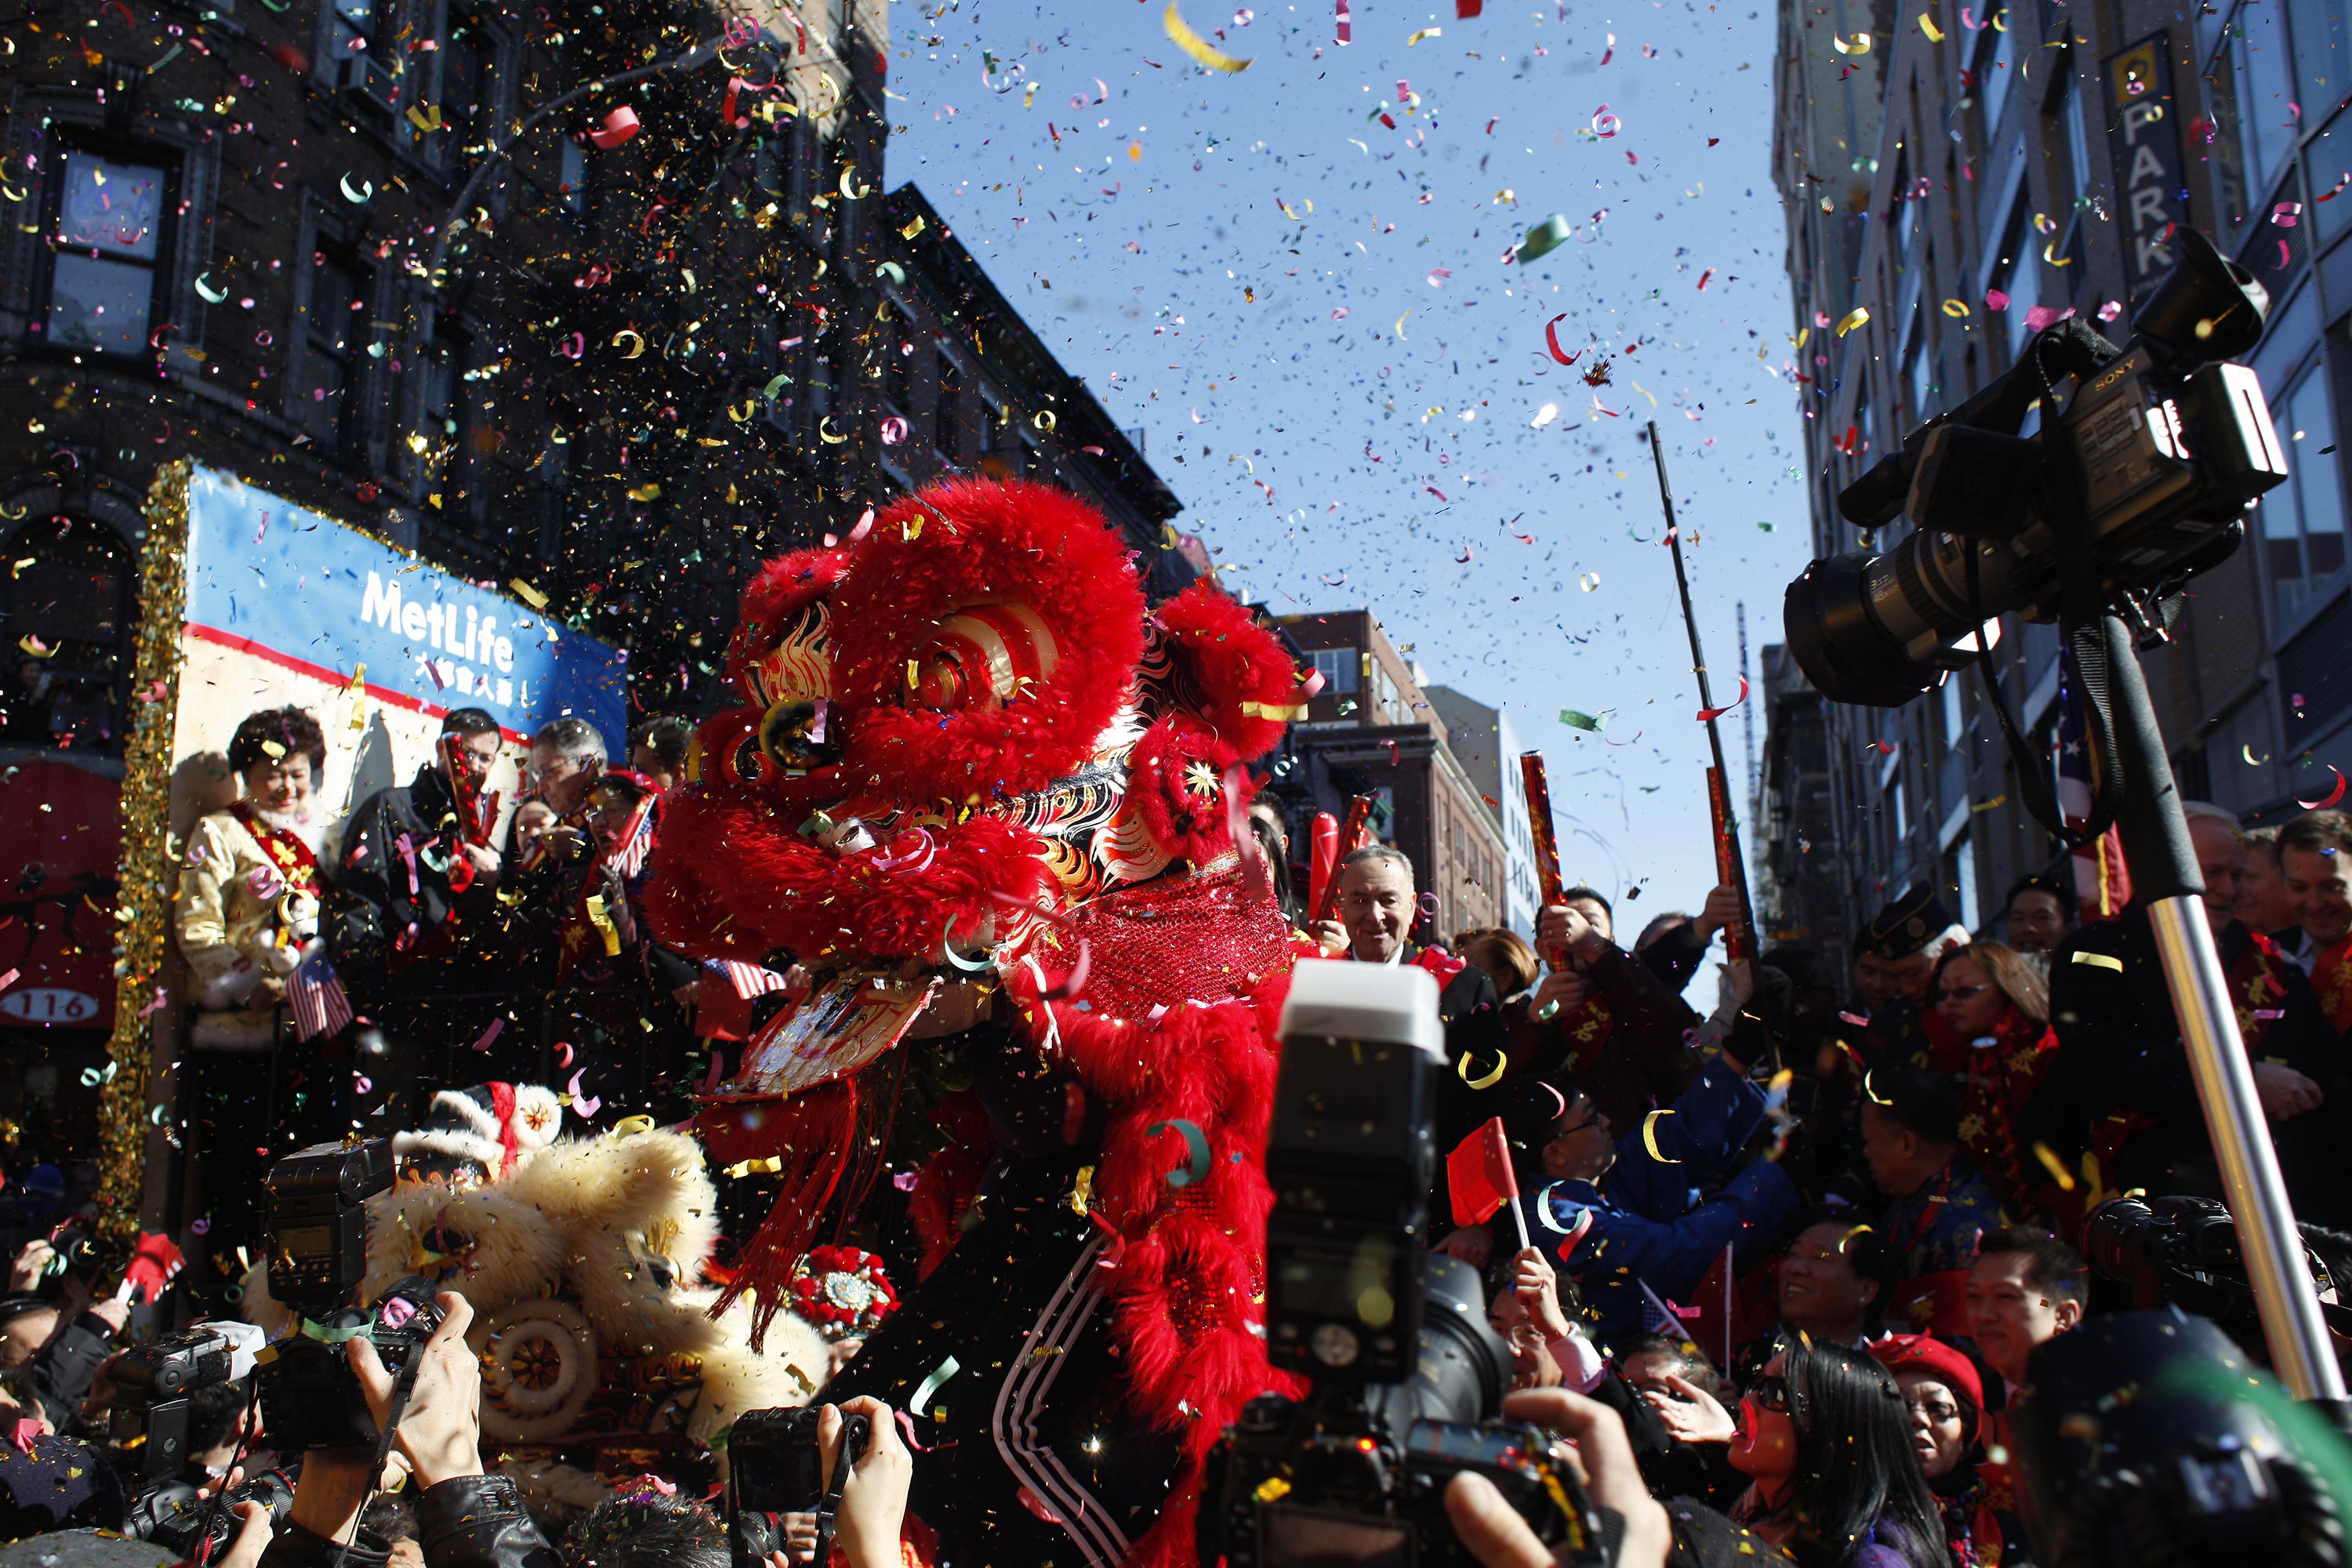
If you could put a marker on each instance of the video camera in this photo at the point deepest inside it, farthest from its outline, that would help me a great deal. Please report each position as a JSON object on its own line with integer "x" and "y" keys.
{"x": 775, "y": 1466}
{"x": 1406, "y": 1372}
{"x": 2140, "y": 484}
{"x": 2184, "y": 1252}
{"x": 317, "y": 1251}
{"x": 2146, "y": 1438}
{"x": 155, "y": 1387}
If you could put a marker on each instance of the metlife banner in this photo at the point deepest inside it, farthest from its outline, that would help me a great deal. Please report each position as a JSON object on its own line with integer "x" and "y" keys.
{"x": 285, "y": 606}
{"x": 269, "y": 578}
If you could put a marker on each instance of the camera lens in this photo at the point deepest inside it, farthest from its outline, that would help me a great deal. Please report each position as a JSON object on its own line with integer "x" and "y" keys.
{"x": 1463, "y": 1366}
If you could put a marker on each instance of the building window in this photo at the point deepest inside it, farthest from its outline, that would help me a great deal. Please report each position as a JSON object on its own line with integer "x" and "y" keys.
{"x": 2063, "y": 123}
{"x": 334, "y": 331}
{"x": 897, "y": 374}
{"x": 821, "y": 388}
{"x": 2303, "y": 520}
{"x": 352, "y": 58}
{"x": 1337, "y": 665}
{"x": 2264, "y": 76}
{"x": 1955, "y": 702}
{"x": 467, "y": 92}
{"x": 1963, "y": 863}
{"x": 947, "y": 411}
{"x": 66, "y": 616}
{"x": 442, "y": 422}
{"x": 838, "y": 16}
{"x": 1996, "y": 69}
{"x": 572, "y": 178}
{"x": 102, "y": 274}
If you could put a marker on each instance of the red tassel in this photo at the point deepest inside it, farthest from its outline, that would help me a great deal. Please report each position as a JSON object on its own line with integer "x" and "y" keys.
{"x": 812, "y": 1133}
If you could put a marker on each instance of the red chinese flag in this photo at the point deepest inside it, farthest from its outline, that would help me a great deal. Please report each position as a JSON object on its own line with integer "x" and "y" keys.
{"x": 1465, "y": 9}
{"x": 1479, "y": 1174}
{"x": 152, "y": 1266}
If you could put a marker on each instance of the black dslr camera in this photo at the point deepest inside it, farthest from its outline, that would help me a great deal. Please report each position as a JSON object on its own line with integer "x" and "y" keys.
{"x": 155, "y": 1386}
{"x": 176, "y": 1519}
{"x": 2137, "y": 485}
{"x": 1406, "y": 1372}
{"x": 2184, "y": 1252}
{"x": 775, "y": 1466}
{"x": 2144, "y": 1438}
{"x": 317, "y": 1251}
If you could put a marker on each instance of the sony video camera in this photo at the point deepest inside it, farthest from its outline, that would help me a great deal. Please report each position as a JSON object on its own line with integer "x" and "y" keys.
{"x": 155, "y": 1386}
{"x": 317, "y": 1249}
{"x": 174, "y": 1516}
{"x": 2148, "y": 1438}
{"x": 1406, "y": 1372}
{"x": 2139, "y": 483}
{"x": 2184, "y": 1252}
{"x": 775, "y": 1466}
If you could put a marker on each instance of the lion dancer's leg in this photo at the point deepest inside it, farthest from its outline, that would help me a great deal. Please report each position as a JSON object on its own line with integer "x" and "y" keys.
{"x": 1033, "y": 1457}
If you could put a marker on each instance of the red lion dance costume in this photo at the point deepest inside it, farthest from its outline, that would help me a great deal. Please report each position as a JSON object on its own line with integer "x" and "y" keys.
{"x": 991, "y": 799}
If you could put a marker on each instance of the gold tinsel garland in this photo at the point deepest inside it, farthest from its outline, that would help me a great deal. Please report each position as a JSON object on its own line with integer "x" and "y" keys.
{"x": 144, "y": 906}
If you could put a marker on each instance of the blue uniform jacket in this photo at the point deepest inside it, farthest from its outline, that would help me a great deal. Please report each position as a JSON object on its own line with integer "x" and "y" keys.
{"x": 1665, "y": 1220}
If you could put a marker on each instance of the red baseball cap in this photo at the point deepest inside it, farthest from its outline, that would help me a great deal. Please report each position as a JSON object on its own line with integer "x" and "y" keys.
{"x": 1945, "y": 1363}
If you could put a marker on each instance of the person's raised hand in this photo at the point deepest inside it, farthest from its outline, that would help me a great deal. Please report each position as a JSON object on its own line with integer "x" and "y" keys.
{"x": 798, "y": 1532}
{"x": 30, "y": 1266}
{"x": 1497, "y": 1537}
{"x": 1690, "y": 1415}
{"x": 1562, "y": 931}
{"x": 441, "y": 1428}
{"x": 1721, "y": 909}
{"x": 485, "y": 862}
{"x": 252, "y": 1538}
{"x": 2285, "y": 1092}
{"x": 874, "y": 1497}
{"x": 113, "y": 1312}
{"x": 1473, "y": 1243}
{"x": 1536, "y": 1285}
{"x": 1562, "y": 990}
{"x": 1330, "y": 936}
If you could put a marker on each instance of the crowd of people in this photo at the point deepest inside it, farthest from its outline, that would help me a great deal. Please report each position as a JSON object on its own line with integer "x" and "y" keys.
{"x": 1790, "y": 1261}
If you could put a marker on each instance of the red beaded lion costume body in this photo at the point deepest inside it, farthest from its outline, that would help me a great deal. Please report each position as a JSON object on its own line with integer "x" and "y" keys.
{"x": 968, "y": 749}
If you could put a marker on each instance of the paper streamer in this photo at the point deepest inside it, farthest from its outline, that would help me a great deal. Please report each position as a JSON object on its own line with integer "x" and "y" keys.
{"x": 1650, "y": 1137}
{"x": 1182, "y": 35}
{"x": 1196, "y": 1144}
{"x": 933, "y": 1384}
{"x": 1575, "y": 1233}
{"x": 1462, "y": 1067}
{"x": 2331, "y": 797}
{"x": 1708, "y": 715}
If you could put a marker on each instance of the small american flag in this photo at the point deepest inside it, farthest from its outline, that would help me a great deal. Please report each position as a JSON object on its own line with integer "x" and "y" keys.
{"x": 637, "y": 843}
{"x": 317, "y": 997}
{"x": 748, "y": 980}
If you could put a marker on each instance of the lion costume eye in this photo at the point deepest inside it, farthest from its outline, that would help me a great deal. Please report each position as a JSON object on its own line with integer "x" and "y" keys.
{"x": 792, "y": 735}
{"x": 981, "y": 656}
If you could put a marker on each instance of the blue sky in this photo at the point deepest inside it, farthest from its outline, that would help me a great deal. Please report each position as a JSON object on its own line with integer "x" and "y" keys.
{"x": 1348, "y": 396}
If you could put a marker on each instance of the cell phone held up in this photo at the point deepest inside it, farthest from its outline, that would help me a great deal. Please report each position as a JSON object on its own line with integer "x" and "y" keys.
{"x": 309, "y": 1396}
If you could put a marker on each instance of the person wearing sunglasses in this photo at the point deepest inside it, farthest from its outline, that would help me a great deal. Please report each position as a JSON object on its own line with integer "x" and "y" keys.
{"x": 1835, "y": 1477}
{"x": 1995, "y": 1004}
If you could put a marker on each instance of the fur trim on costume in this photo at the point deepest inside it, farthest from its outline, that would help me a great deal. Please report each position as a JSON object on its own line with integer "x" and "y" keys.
{"x": 1246, "y": 685}
{"x": 970, "y": 543}
{"x": 730, "y": 882}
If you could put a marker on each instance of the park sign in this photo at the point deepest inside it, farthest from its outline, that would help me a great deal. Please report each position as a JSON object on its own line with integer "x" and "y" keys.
{"x": 2144, "y": 138}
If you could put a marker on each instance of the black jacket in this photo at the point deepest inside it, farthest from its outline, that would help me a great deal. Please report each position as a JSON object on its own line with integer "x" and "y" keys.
{"x": 376, "y": 901}
{"x": 2121, "y": 1056}
{"x": 62, "y": 1371}
{"x": 467, "y": 1521}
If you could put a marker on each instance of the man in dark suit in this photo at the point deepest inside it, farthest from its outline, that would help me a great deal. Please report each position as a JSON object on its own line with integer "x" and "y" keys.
{"x": 1377, "y": 906}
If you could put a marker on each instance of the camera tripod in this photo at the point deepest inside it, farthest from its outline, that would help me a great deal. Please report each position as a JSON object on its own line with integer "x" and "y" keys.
{"x": 2164, "y": 876}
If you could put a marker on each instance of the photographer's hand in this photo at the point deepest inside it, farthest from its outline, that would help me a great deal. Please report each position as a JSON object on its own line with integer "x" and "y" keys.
{"x": 441, "y": 1429}
{"x": 252, "y": 1538}
{"x": 874, "y": 1497}
{"x": 30, "y": 1266}
{"x": 1497, "y": 1535}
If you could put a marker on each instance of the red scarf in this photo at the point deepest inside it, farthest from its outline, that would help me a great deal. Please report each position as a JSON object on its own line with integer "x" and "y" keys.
{"x": 2003, "y": 1077}
{"x": 2331, "y": 971}
{"x": 290, "y": 856}
{"x": 2258, "y": 988}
